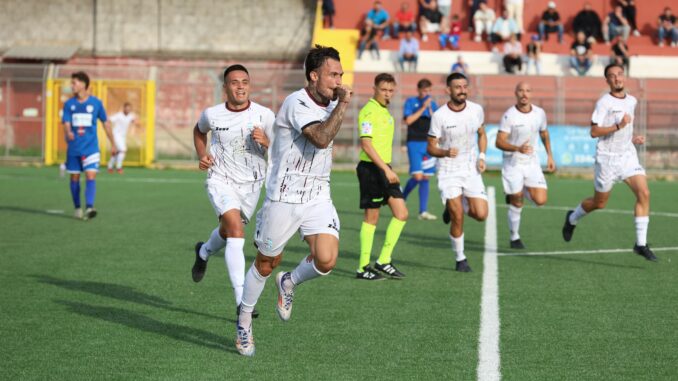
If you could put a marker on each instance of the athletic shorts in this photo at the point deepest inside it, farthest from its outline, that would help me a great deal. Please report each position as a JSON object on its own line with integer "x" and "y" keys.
{"x": 120, "y": 142}
{"x": 224, "y": 197}
{"x": 515, "y": 177}
{"x": 616, "y": 168}
{"x": 278, "y": 221}
{"x": 375, "y": 190}
{"x": 77, "y": 163}
{"x": 420, "y": 161}
{"x": 468, "y": 183}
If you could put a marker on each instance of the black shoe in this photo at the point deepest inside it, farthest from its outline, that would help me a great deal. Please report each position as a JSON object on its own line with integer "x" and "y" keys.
{"x": 517, "y": 244}
{"x": 369, "y": 274}
{"x": 389, "y": 270}
{"x": 255, "y": 313}
{"x": 568, "y": 228}
{"x": 463, "y": 267}
{"x": 446, "y": 216}
{"x": 644, "y": 251}
{"x": 200, "y": 265}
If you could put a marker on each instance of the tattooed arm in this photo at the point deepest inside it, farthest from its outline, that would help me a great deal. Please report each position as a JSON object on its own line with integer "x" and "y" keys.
{"x": 322, "y": 134}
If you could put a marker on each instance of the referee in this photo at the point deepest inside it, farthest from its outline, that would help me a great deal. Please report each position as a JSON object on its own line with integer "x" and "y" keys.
{"x": 379, "y": 184}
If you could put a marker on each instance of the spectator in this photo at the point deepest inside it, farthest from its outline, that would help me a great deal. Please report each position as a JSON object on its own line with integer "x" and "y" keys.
{"x": 368, "y": 39}
{"x": 580, "y": 54}
{"x": 445, "y": 7}
{"x": 515, "y": 12}
{"x": 409, "y": 52}
{"x": 379, "y": 18}
{"x": 404, "y": 20}
{"x": 429, "y": 20}
{"x": 473, "y": 5}
{"x": 460, "y": 66}
{"x": 450, "y": 33}
{"x": 667, "y": 27}
{"x": 620, "y": 54}
{"x": 550, "y": 22}
{"x": 534, "y": 55}
{"x": 587, "y": 21}
{"x": 328, "y": 13}
{"x": 629, "y": 11}
{"x": 513, "y": 52}
{"x": 483, "y": 19}
{"x": 503, "y": 28}
{"x": 616, "y": 24}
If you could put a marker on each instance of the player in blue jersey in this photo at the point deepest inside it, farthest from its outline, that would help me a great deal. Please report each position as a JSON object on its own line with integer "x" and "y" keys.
{"x": 80, "y": 115}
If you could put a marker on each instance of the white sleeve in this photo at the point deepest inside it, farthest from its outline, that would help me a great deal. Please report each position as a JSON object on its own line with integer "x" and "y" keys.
{"x": 302, "y": 116}
{"x": 481, "y": 117}
{"x": 434, "y": 131}
{"x": 505, "y": 124}
{"x": 269, "y": 120}
{"x": 599, "y": 113}
{"x": 543, "y": 124}
{"x": 203, "y": 123}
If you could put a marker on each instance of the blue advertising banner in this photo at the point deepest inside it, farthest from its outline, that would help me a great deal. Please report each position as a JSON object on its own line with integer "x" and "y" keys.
{"x": 572, "y": 146}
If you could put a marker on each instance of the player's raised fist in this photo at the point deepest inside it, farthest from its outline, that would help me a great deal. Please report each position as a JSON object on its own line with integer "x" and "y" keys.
{"x": 205, "y": 162}
{"x": 638, "y": 139}
{"x": 343, "y": 93}
{"x": 526, "y": 149}
{"x": 453, "y": 152}
{"x": 625, "y": 120}
{"x": 260, "y": 137}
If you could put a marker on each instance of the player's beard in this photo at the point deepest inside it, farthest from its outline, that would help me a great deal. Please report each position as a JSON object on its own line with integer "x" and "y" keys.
{"x": 458, "y": 101}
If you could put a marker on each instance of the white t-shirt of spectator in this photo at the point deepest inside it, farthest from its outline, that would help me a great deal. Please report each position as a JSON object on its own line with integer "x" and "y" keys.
{"x": 609, "y": 111}
{"x": 522, "y": 127}
{"x": 486, "y": 16}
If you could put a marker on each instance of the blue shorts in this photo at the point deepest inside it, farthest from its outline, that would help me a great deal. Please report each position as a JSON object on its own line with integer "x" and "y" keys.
{"x": 77, "y": 163}
{"x": 420, "y": 161}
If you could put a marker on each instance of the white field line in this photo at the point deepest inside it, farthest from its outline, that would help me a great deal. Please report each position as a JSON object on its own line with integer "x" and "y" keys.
{"x": 578, "y": 252}
{"x": 613, "y": 211}
{"x": 488, "y": 341}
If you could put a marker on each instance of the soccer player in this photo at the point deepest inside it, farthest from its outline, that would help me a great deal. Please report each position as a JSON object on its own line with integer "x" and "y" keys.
{"x": 452, "y": 138}
{"x": 121, "y": 121}
{"x": 521, "y": 173}
{"x": 379, "y": 184}
{"x": 298, "y": 189}
{"x": 236, "y": 169}
{"x": 616, "y": 159}
{"x": 417, "y": 114}
{"x": 79, "y": 119}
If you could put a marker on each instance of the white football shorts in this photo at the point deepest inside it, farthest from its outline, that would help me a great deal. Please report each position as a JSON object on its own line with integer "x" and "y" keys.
{"x": 517, "y": 176}
{"x": 224, "y": 197}
{"x": 615, "y": 168}
{"x": 468, "y": 183}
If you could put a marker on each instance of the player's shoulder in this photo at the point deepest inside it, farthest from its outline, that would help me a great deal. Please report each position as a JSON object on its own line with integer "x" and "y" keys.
{"x": 538, "y": 110}
{"x": 631, "y": 98}
{"x": 94, "y": 100}
{"x": 475, "y": 107}
{"x": 259, "y": 108}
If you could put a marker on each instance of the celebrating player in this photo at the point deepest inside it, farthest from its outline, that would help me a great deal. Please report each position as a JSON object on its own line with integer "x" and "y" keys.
{"x": 452, "y": 139}
{"x": 236, "y": 169}
{"x": 79, "y": 118}
{"x": 298, "y": 189}
{"x": 616, "y": 159}
{"x": 521, "y": 173}
{"x": 121, "y": 121}
{"x": 379, "y": 184}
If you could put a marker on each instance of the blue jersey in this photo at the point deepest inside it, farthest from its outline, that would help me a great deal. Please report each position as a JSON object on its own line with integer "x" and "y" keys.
{"x": 83, "y": 119}
{"x": 418, "y": 130}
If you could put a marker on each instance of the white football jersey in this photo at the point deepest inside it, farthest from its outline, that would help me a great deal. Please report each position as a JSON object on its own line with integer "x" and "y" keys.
{"x": 237, "y": 157}
{"x": 457, "y": 129}
{"x": 609, "y": 111}
{"x": 300, "y": 171}
{"x": 523, "y": 127}
{"x": 121, "y": 122}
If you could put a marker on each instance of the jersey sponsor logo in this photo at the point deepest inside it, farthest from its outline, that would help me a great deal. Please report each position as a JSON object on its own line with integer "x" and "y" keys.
{"x": 366, "y": 128}
{"x": 451, "y": 126}
{"x": 82, "y": 120}
{"x": 303, "y": 103}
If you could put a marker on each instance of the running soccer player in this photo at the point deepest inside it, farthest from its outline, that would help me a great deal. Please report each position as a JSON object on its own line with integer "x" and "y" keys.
{"x": 79, "y": 119}
{"x": 417, "y": 113}
{"x": 379, "y": 184}
{"x": 521, "y": 173}
{"x": 121, "y": 121}
{"x": 616, "y": 159}
{"x": 236, "y": 169}
{"x": 452, "y": 138}
{"x": 298, "y": 190}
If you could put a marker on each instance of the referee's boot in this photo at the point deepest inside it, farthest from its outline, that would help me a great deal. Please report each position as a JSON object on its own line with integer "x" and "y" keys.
{"x": 389, "y": 269}
{"x": 200, "y": 265}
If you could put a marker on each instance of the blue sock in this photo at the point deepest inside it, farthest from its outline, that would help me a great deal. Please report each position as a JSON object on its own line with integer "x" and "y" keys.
{"x": 90, "y": 192}
{"x": 423, "y": 196}
{"x": 75, "y": 193}
{"x": 409, "y": 187}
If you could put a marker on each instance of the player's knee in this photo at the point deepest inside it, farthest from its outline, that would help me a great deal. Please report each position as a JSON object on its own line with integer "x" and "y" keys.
{"x": 232, "y": 232}
{"x": 540, "y": 201}
{"x": 401, "y": 215}
{"x": 418, "y": 176}
{"x": 325, "y": 266}
{"x": 480, "y": 215}
{"x": 599, "y": 204}
{"x": 644, "y": 195}
{"x": 265, "y": 265}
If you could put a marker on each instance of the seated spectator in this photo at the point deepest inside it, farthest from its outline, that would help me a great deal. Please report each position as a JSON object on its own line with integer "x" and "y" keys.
{"x": 368, "y": 39}
{"x": 473, "y": 6}
{"x": 550, "y": 22}
{"x": 581, "y": 56}
{"x": 629, "y": 11}
{"x": 616, "y": 24}
{"x": 379, "y": 18}
{"x": 587, "y": 21}
{"x": 450, "y": 34}
{"x": 460, "y": 66}
{"x": 404, "y": 20}
{"x": 328, "y": 13}
{"x": 620, "y": 54}
{"x": 513, "y": 55}
{"x": 534, "y": 55}
{"x": 409, "y": 52}
{"x": 503, "y": 28}
{"x": 430, "y": 19}
{"x": 483, "y": 20}
{"x": 667, "y": 27}
{"x": 515, "y": 12}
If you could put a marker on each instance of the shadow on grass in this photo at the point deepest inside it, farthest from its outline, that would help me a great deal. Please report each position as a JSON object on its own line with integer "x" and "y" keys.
{"x": 42, "y": 212}
{"x": 144, "y": 323}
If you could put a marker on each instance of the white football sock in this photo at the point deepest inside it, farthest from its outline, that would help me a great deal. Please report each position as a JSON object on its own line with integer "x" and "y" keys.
{"x": 458, "y": 246}
{"x": 306, "y": 270}
{"x": 578, "y": 214}
{"x": 120, "y": 157}
{"x": 514, "y": 221}
{"x": 641, "y": 230}
{"x": 235, "y": 265}
{"x": 112, "y": 160}
{"x": 254, "y": 285}
{"x": 214, "y": 244}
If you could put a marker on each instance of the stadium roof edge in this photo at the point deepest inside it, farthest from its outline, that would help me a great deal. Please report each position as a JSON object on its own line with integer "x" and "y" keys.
{"x": 41, "y": 53}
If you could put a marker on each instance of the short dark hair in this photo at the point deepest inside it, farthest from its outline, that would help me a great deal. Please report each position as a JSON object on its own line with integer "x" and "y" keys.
{"x": 384, "y": 77}
{"x": 82, "y": 77}
{"x": 424, "y": 83}
{"x": 610, "y": 66}
{"x": 232, "y": 68}
{"x": 454, "y": 76}
{"x": 127, "y": 104}
{"x": 317, "y": 56}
